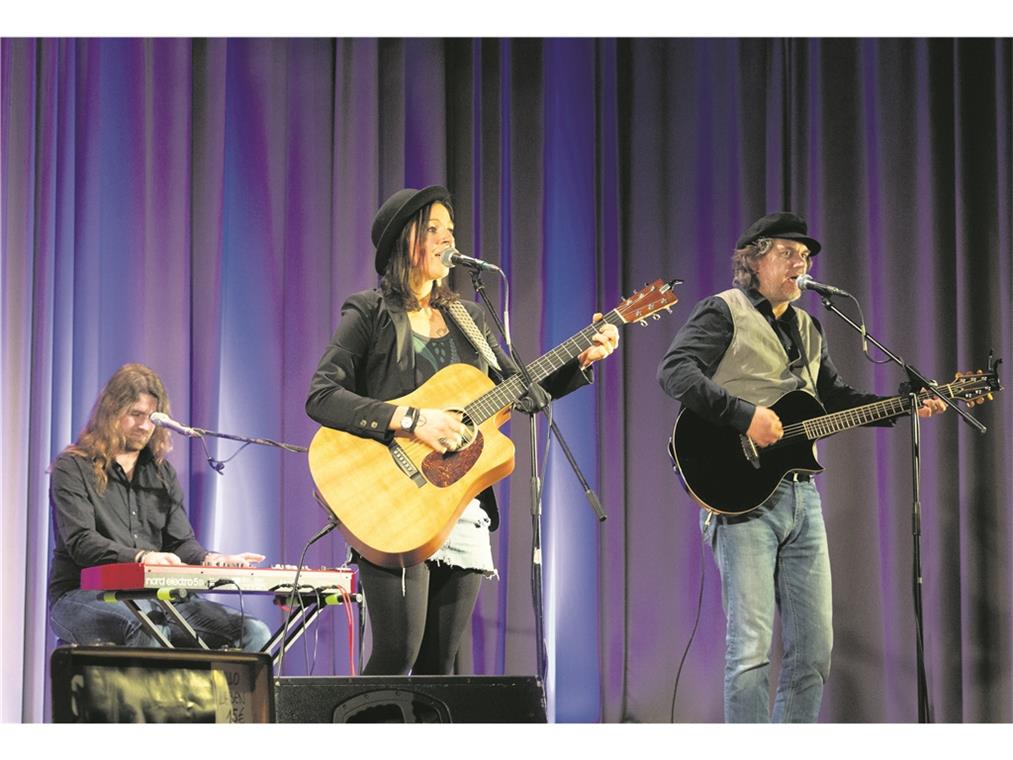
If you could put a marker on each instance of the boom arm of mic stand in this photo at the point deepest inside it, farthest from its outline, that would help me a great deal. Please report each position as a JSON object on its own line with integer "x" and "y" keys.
{"x": 916, "y": 377}
{"x": 258, "y": 441}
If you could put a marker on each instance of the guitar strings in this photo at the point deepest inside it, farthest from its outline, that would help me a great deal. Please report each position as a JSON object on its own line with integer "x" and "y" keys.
{"x": 504, "y": 394}
{"x": 828, "y": 424}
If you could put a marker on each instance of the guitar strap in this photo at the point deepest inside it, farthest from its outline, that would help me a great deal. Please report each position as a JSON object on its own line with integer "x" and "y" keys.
{"x": 796, "y": 336}
{"x": 475, "y": 337}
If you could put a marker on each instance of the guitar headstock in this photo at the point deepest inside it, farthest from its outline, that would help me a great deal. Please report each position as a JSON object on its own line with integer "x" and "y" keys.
{"x": 977, "y": 387}
{"x": 648, "y": 301}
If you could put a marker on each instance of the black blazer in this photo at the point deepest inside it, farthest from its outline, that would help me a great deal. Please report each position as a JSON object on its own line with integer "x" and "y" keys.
{"x": 370, "y": 360}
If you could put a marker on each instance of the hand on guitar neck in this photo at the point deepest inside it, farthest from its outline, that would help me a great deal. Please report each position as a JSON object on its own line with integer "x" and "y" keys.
{"x": 930, "y": 406}
{"x": 603, "y": 343}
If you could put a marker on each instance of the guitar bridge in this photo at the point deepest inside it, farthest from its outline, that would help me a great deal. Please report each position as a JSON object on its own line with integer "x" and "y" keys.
{"x": 750, "y": 451}
{"x": 405, "y": 464}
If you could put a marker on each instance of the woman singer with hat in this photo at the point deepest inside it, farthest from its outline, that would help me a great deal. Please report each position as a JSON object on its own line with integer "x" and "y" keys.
{"x": 389, "y": 341}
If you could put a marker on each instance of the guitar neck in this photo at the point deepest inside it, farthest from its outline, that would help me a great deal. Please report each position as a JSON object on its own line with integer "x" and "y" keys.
{"x": 829, "y": 424}
{"x": 511, "y": 389}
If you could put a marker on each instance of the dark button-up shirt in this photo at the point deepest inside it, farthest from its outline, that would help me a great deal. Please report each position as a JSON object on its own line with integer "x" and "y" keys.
{"x": 145, "y": 512}
{"x": 686, "y": 370}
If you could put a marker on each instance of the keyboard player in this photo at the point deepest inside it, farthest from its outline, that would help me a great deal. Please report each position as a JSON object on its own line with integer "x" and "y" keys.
{"x": 115, "y": 498}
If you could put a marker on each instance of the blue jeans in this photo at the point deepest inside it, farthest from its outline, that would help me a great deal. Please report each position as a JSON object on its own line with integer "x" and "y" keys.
{"x": 78, "y": 617}
{"x": 775, "y": 558}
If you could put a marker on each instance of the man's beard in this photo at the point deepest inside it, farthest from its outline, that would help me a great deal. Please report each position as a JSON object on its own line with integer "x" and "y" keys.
{"x": 136, "y": 442}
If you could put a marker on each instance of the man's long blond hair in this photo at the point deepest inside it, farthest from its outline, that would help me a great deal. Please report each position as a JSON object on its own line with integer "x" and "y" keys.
{"x": 102, "y": 439}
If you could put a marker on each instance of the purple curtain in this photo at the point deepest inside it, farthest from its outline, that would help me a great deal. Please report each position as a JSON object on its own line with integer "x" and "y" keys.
{"x": 203, "y": 206}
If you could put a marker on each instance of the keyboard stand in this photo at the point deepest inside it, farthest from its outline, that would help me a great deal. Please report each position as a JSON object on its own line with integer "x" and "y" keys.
{"x": 164, "y": 598}
{"x": 299, "y": 618}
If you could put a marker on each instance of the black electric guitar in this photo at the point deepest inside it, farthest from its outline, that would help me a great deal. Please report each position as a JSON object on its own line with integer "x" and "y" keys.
{"x": 724, "y": 471}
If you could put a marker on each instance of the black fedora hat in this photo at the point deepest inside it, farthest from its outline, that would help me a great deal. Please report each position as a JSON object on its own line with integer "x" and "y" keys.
{"x": 781, "y": 224}
{"x": 395, "y": 213}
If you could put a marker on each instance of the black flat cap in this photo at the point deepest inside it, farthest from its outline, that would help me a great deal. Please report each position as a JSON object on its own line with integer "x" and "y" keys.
{"x": 782, "y": 224}
{"x": 395, "y": 213}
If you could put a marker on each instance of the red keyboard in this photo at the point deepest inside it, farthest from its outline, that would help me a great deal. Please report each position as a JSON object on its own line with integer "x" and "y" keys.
{"x": 129, "y": 576}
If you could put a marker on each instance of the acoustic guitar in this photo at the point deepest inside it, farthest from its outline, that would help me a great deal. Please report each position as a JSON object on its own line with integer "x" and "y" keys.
{"x": 727, "y": 473}
{"x": 397, "y": 503}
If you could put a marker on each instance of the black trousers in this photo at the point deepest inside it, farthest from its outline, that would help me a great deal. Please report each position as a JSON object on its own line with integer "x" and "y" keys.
{"x": 417, "y": 626}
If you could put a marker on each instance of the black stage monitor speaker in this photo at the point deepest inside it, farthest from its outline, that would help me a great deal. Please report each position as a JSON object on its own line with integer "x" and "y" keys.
{"x": 413, "y": 699}
{"x": 133, "y": 685}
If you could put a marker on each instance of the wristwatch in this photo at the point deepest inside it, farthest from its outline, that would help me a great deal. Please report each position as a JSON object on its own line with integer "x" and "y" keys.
{"x": 409, "y": 420}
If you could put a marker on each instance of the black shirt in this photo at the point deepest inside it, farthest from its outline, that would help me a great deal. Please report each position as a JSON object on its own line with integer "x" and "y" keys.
{"x": 145, "y": 512}
{"x": 686, "y": 370}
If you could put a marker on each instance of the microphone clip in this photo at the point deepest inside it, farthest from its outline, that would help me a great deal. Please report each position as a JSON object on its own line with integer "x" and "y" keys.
{"x": 534, "y": 400}
{"x": 452, "y": 257}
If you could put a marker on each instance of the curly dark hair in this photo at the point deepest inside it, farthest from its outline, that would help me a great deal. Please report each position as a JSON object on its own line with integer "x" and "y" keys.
{"x": 744, "y": 262}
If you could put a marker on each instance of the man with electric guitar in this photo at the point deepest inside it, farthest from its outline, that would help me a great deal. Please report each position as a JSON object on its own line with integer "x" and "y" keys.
{"x": 733, "y": 365}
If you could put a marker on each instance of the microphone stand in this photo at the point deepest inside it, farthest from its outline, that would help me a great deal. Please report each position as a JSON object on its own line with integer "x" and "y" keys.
{"x": 917, "y": 382}
{"x": 536, "y": 400}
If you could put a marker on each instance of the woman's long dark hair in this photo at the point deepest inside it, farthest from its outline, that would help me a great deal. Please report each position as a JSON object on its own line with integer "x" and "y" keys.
{"x": 396, "y": 281}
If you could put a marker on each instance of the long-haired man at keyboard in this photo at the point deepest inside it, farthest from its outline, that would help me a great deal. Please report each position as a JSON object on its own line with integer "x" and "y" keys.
{"x": 116, "y": 498}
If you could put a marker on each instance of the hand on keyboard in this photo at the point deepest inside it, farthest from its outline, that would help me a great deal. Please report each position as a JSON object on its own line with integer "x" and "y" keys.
{"x": 243, "y": 559}
{"x": 161, "y": 558}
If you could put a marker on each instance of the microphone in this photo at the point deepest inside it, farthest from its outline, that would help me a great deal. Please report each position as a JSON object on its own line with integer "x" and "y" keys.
{"x": 805, "y": 282}
{"x": 162, "y": 420}
{"x": 452, "y": 256}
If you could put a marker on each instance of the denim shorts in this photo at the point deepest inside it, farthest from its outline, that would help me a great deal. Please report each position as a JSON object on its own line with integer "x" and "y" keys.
{"x": 469, "y": 546}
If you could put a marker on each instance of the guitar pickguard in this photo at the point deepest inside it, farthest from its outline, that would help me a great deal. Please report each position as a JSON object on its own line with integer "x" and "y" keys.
{"x": 444, "y": 470}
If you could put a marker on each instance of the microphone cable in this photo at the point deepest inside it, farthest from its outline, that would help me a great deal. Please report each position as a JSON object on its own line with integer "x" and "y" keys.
{"x": 242, "y": 607}
{"x": 311, "y": 664}
{"x": 692, "y": 635}
{"x": 295, "y": 594}
{"x": 218, "y": 465}
{"x": 346, "y": 601}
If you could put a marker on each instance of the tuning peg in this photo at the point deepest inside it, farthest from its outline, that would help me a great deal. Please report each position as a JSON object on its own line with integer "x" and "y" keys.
{"x": 656, "y": 317}
{"x": 989, "y": 397}
{"x": 642, "y": 322}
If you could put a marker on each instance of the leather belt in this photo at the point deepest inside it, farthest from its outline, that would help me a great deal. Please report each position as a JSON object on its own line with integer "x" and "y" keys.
{"x": 799, "y": 477}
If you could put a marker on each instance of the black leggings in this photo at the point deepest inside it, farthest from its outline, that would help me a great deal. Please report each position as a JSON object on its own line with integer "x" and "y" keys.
{"x": 419, "y": 629}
